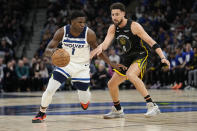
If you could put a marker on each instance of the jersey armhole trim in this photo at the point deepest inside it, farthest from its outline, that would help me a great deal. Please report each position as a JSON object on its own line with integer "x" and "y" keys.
{"x": 64, "y": 34}
{"x": 86, "y": 33}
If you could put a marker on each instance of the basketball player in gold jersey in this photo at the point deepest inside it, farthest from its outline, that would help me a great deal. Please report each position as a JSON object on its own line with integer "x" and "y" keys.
{"x": 130, "y": 36}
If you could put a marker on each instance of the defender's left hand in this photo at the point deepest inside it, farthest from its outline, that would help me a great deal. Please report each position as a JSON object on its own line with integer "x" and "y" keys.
{"x": 165, "y": 61}
{"x": 119, "y": 67}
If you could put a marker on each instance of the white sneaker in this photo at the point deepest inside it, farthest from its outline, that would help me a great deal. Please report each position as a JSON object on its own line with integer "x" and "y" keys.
{"x": 114, "y": 114}
{"x": 153, "y": 109}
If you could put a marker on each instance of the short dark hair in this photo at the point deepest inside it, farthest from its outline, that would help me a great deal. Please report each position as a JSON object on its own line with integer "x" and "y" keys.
{"x": 118, "y": 5}
{"x": 76, "y": 14}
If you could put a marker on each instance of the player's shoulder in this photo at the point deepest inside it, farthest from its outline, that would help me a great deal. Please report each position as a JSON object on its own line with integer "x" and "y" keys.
{"x": 112, "y": 27}
{"x": 90, "y": 32}
{"x": 135, "y": 24}
{"x": 136, "y": 28}
{"x": 91, "y": 36}
{"x": 59, "y": 34}
{"x": 60, "y": 30}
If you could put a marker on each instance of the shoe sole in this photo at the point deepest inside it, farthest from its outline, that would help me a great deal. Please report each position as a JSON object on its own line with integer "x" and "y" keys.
{"x": 106, "y": 117}
{"x": 83, "y": 107}
{"x": 148, "y": 116}
{"x": 37, "y": 121}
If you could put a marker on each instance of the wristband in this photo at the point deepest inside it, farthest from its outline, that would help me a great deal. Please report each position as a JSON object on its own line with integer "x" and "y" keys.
{"x": 155, "y": 46}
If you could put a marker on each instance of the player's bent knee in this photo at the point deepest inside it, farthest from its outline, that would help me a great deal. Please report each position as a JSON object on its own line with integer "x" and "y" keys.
{"x": 111, "y": 84}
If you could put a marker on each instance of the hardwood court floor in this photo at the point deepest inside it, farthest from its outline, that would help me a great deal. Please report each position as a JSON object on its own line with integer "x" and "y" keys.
{"x": 179, "y": 112}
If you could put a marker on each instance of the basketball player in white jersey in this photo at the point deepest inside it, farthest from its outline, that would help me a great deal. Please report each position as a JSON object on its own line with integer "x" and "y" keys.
{"x": 76, "y": 40}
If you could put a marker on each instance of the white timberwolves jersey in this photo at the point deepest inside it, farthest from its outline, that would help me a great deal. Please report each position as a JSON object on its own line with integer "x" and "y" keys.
{"x": 77, "y": 47}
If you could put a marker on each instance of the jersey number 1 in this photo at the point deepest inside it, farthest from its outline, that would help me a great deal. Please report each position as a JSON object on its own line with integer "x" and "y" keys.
{"x": 73, "y": 51}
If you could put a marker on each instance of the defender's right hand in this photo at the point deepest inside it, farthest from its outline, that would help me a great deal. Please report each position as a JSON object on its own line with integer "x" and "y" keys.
{"x": 119, "y": 67}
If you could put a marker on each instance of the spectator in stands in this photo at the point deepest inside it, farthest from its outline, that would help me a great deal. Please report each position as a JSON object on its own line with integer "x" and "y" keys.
{"x": 22, "y": 73}
{"x": 4, "y": 47}
{"x": 189, "y": 55}
{"x": 110, "y": 69}
{"x": 10, "y": 83}
{"x": 101, "y": 77}
{"x": 152, "y": 73}
{"x": 92, "y": 72}
{"x": 36, "y": 81}
{"x": 173, "y": 65}
{"x": 1, "y": 74}
{"x": 113, "y": 56}
{"x": 180, "y": 68}
{"x": 192, "y": 75}
{"x": 26, "y": 61}
{"x": 44, "y": 74}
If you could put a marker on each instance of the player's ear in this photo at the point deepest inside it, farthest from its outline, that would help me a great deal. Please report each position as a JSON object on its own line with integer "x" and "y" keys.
{"x": 123, "y": 13}
{"x": 71, "y": 22}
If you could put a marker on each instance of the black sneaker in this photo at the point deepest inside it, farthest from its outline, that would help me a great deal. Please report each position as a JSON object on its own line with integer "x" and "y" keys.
{"x": 39, "y": 117}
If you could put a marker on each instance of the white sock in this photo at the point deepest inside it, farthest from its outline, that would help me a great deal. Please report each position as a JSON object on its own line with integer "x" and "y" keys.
{"x": 43, "y": 109}
{"x": 84, "y": 96}
{"x": 53, "y": 85}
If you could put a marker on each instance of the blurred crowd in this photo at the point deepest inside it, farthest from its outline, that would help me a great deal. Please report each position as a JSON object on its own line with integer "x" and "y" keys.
{"x": 12, "y": 19}
{"x": 171, "y": 23}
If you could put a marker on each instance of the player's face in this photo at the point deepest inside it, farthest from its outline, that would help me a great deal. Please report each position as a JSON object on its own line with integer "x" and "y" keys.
{"x": 79, "y": 23}
{"x": 117, "y": 16}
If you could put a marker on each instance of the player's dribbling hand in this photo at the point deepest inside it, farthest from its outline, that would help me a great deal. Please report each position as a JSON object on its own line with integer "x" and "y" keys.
{"x": 165, "y": 61}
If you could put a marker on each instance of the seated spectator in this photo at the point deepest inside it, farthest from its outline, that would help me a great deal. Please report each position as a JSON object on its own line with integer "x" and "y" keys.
{"x": 36, "y": 81}
{"x": 48, "y": 65}
{"x": 110, "y": 69}
{"x": 180, "y": 68}
{"x": 100, "y": 77}
{"x": 10, "y": 83}
{"x": 151, "y": 77}
{"x": 113, "y": 56}
{"x": 44, "y": 75}
{"x": 189, "y": 55}
{"x": 173, "y": 65}
{"x": 1, "y": 74}
{"x": 22, "y": 73}
{"x": 192, "y": 75}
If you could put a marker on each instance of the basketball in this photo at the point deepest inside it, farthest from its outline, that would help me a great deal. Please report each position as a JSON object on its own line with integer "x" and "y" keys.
{"x": 60, "y": 58}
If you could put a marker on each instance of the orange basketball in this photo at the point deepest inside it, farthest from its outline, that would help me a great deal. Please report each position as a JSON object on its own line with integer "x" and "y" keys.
{"x": 60, "y": 58}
